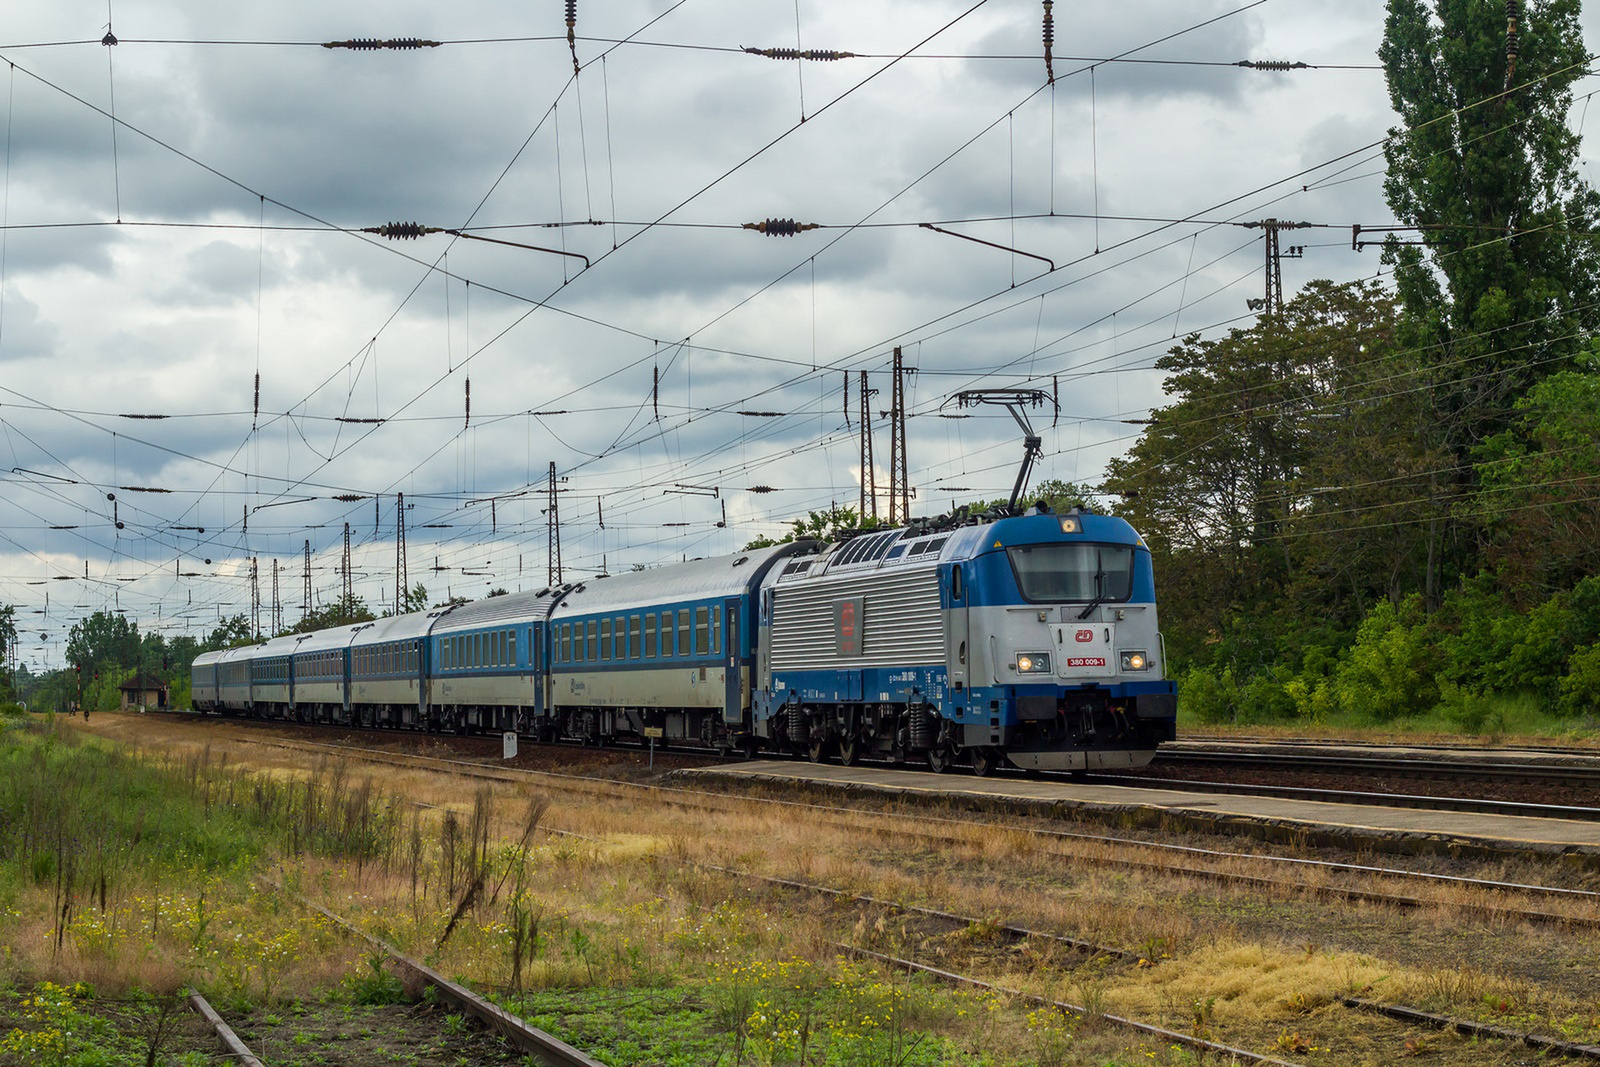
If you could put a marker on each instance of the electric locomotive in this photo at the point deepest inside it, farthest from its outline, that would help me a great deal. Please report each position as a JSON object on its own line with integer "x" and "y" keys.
{"x": 1031, "y": 639}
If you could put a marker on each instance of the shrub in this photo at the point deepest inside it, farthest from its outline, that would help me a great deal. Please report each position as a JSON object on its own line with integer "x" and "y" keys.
{"x": 1209, "y": 697}
{"x": 1470, "y": 710}
{"x": 1580, "y": 688}
{"x": 1265, "y": 699}
{"x": 1389, "y": 671}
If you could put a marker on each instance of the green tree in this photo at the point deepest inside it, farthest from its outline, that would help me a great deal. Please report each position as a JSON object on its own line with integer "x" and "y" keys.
{"x": 1540, "y": 487}
{"x": 1485, "y": 165}
{"x": 8, "y": 644}
{"x": 825, "y": 525}
{"x": 413, "y": 599}
{"x": 231, "y": 633}
{"x": 342, "y": 612}
{"x": 103, "y": 641}
{"x": 1289, "y": 479}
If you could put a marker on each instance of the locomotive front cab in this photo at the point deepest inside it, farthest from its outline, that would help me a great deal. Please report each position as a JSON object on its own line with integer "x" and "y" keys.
{"x": 1061, "y": 655}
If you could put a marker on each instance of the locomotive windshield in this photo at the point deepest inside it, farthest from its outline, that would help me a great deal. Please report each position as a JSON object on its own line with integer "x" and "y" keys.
{"x": 1073, "y": 572}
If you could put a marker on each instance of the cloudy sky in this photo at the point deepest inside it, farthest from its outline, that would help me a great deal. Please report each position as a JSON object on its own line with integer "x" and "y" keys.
{"x": 183, "y": 212}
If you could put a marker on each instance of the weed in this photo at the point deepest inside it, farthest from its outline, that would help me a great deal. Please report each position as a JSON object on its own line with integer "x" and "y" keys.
{"x": 375, "y": 984}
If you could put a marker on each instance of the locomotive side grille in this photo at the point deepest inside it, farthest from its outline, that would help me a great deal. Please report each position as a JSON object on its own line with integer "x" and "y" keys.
{"x": 902, "y": 623}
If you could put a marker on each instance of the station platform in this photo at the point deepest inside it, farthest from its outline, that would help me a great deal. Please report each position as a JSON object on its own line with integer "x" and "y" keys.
{"x": 1304, "y": 822}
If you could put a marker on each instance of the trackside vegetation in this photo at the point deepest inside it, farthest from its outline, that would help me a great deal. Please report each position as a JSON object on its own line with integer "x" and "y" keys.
{"x": 126, "y": 877}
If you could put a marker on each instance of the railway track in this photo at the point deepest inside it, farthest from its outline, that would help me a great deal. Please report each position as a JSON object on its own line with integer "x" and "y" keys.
{"x": 1292, "y": 765}
{"x": 1474, "y": 805}
{"x": 1087, "y": 848}
{"x": 1565, "y": 774}
{"x": 1590, "y": 751}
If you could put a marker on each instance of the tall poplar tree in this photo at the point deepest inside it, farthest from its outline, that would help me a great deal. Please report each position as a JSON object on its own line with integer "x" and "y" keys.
{"x": 1502, "y": 285}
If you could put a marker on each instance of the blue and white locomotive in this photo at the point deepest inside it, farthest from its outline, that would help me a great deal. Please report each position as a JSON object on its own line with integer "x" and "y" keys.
{"x": 1030, "y": 639}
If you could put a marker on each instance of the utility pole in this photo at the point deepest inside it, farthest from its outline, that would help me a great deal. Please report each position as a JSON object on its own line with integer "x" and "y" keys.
{"x": 347, "y": 591}
{"x": 305, "y": 608}
{"x": 277, "y": 608}
{"x": 255, "y": 599}
{"x": 401, "y": 583}
{"x": 869, "y": 474}
{"x": 1272, "y": 302}
{"x": 899, "y": 484}
{"x": 553, "y": 530}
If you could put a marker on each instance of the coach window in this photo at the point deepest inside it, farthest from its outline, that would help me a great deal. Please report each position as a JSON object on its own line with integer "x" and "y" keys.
{"x": 511, "y": 648}
{"x": 565, "y": 643}
{"x": 605, "y": 638}
{"x": 593, "y": 628}
{"x": 702, "y": 632}
{"x": 650, "y": 636}
{"x": 955, "y": 582}
{"x": 621, "y": 636}
{"x": 668, "y": 646}
{"x": 716, "y": 628}
{"x": 685, "y": 640}
{"x": 635, "y": 633}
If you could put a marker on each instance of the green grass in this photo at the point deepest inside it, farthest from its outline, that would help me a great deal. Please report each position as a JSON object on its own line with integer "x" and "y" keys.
{"x": 1516, "y": 717}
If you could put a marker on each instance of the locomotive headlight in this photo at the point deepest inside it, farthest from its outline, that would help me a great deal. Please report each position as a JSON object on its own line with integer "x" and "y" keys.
{"x": 1070, "y": 524}
{"x": 1033, "y": 663}
{"x": 1135, "y": 661}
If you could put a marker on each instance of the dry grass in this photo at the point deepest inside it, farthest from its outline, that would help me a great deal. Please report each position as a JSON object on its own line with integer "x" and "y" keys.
{"x": 632, "y": 908}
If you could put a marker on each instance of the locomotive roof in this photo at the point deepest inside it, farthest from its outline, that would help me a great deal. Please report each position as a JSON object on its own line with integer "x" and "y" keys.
{"x": 697, "y": 579}
{"x": 490, "y": 611}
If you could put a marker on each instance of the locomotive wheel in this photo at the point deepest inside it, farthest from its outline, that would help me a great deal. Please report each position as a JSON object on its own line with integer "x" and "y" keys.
{"x": 819, "y": 750}
{"x": 940, "y": 758}
{"x": 849, "y": 750}
{"x": 984, "y": 761}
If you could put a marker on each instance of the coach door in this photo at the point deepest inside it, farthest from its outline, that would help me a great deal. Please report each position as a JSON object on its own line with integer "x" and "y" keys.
{"x": 536, "y": 649}
{"x": 733, "y": 662}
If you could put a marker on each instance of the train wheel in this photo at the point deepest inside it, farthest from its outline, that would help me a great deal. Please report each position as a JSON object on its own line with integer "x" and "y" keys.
{"x": 849, "y": 750}
{"x": 940, "y": 758}
{"x": 984, "y": 761}
{"x": 819, "y": 750}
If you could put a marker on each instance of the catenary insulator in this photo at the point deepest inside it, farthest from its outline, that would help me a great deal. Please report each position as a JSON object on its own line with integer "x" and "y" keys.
{"x": 780, "y": 227}
{"x": 1271, "y": 64}
{"x": 572, "y": 38}
{"x": 374, "y": 44}
{"x": 1049, "y": 40}
{"x": 821, "y": 55}
{"x": 398, "y": 231}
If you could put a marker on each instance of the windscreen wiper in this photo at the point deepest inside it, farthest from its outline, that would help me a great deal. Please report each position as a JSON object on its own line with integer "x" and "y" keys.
{"x": 1099, "y": 588}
